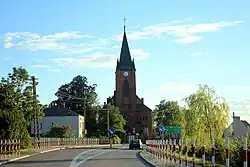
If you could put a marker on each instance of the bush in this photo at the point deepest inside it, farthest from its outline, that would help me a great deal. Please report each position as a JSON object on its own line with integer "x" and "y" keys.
{"x": 60, "y": 131}
{"x": 116, "y": 139}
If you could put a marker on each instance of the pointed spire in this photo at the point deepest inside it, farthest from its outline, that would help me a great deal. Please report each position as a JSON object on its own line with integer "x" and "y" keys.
{"x": 125, "y": 62}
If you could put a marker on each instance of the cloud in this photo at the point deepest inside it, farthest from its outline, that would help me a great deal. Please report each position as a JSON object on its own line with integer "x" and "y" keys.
{"x": 34, "y": 41}
{"x": 47, "y": 67}
{"x": 237, "y": 87}
{"x": 97, "y": 59}
{"x": 185, "y": 33}
{"x": 241, "y": 108}
{"x": 188, "y": 39}
{"x": 41, "y": 66}
{"x": 7, "y": 58}
{"x": 87, "y": 47}
{"x": 140, "y": 54}
{"x": 178, "y": 87}
{"x": 197, "y": 54}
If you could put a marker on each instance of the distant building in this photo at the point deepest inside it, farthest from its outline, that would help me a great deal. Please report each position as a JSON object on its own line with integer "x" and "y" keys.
{"x": 62, "y": 116}
{"x": 132, "y": 107}
{"x": 239, "y": 128}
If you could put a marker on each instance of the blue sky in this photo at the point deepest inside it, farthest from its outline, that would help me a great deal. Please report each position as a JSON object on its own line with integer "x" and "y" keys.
{"x": 176, "y": 45}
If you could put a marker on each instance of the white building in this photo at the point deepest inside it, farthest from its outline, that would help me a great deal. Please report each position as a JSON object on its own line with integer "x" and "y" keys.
{"x": 62, "y": 116}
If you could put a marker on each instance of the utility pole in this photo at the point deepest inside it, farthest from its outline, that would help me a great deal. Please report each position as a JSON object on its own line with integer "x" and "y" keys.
{"x": 85, "y": 120}
{"x": 36, "y": 123}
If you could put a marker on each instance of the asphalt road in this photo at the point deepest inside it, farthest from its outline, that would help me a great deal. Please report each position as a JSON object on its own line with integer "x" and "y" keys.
{"x": 82, "y": 157}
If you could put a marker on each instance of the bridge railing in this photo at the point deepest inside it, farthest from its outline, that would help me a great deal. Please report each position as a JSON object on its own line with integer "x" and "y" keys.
{"x": 170, "y": 152}
{"x": 10, "y": 147}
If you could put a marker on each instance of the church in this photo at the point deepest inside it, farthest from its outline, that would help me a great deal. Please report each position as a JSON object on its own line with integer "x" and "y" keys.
{"x": 137, "y": 115}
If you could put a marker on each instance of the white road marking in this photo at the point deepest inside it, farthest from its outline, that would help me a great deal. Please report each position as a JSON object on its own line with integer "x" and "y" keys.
{"x": 75, "y": 164}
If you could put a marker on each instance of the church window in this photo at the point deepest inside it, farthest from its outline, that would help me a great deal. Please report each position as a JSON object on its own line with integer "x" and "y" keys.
{"x": 126, "y": 88}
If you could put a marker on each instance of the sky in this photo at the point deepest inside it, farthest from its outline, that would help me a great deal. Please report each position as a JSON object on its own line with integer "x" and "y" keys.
{"x": 176, "y": 45}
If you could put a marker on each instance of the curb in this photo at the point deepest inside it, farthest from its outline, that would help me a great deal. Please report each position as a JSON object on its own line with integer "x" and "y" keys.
{"x": 146, "y": 160}
{"x": 46, "y": 151}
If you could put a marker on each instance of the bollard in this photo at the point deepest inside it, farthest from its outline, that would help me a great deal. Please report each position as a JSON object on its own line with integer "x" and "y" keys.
{"x": 213, "y": 153}
{"x": 180, "y": 153}
{"x": 245, "y": 151}
{"x": 203, "y": 154}
{"x": 227, "y": 152}
{"x": 193, "y": 150}
{"x": 174, "y": 151}
{"x": 186, "y": 154}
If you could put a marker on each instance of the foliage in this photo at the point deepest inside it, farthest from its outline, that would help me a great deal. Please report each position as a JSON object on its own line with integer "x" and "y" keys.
{"x": 60, "y": 131}
{"x": 16, "y": 106}
{"x": 201, "y": 118}
{"x": 78, "y": 96}
{"x": 116, "y": 121}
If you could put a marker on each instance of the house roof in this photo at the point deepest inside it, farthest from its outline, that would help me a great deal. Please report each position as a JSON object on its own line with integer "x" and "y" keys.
{"x": 246, "y": 123}
{"x": 59, "y": 111}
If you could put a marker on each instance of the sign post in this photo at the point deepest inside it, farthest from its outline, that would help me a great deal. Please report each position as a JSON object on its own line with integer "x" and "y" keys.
{"x": 110, "y": 133}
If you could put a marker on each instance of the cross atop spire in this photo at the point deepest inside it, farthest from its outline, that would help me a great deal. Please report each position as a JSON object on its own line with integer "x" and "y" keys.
{"x": 124, "y": 24}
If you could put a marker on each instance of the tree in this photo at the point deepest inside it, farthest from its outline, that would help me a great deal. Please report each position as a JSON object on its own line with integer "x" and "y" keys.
{"x": 78, "y": 96}
{"x": 19, "y": 79}
{"x": 168, "y": 113}
{"x": 12, "y": 122}
{"x": 204, "y": 114}
{"x": 60, "y": 131}
{"x": 116, "y": 120}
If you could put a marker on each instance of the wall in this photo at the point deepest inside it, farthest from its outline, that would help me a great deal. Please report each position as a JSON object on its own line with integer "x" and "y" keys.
{"x": 73, "y": 121}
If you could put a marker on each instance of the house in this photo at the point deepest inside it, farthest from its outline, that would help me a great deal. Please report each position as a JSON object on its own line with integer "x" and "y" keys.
{"x": 62, "y": 116}
{"x": 237, "y": 128}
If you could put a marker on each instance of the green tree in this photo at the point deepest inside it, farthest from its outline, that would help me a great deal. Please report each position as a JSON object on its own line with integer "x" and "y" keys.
{"x": 60, "y": 131}
{"x": 78, "y": 96}
{"x": 12, "y": 122}
{"x": 168, "y": 113}
{"x": 204, "y": 114}
{"x": 116, "y": 120}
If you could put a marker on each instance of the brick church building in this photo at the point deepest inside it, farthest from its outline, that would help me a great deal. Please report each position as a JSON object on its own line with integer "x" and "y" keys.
{"x": 132, "y": 107}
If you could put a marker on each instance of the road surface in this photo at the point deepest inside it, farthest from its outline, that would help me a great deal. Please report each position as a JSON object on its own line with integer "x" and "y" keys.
{"x": 82, "y": 157}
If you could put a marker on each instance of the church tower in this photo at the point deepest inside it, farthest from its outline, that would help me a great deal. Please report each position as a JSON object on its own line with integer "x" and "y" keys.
{"x": 137, "y": 115}
{"x": 125, "y": 78}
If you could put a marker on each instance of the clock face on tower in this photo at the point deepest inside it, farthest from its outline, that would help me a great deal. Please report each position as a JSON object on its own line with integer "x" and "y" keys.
{"x": 125, "y": 73}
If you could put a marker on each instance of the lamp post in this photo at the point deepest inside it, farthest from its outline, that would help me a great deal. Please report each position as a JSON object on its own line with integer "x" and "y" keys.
{"x": 105, "y": 108}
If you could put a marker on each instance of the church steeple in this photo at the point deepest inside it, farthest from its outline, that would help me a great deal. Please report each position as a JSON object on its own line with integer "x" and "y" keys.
{"x": 125, "y": 62}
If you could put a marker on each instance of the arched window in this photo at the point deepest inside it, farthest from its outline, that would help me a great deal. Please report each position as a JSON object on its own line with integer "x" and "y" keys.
{"x": 125, "y": 88}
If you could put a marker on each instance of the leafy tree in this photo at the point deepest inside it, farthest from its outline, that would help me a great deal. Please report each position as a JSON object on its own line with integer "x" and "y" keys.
{"x": 60, "y": 131}
{"x": 116, "y": 120}
{"x": 12, "y": 121}
{"x": 168, "y": 113}
{"x": 78, "y": 96}
{"x": 205, "y": 112}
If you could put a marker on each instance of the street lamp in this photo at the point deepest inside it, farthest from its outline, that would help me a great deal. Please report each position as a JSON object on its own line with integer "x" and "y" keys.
{"x": 105, "y": 108}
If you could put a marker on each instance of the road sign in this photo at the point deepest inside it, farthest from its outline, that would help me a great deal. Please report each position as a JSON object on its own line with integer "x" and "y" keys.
{"x": 162, "y": 128}
{"x": 111, "y": 131}
{"x": 173, "y": 129}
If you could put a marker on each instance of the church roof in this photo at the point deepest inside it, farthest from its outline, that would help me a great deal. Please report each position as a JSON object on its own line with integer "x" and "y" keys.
{"x": 125, "y": 62}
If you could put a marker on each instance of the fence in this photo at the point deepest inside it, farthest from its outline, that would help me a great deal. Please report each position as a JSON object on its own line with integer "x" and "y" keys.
{"x": 170, "y": 152}
{"x": 10, "y": 147}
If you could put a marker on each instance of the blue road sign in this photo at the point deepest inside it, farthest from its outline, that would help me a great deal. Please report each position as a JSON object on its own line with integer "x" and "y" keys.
{"x": 162, "y": 128}
{"x": 111, "y": 131}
